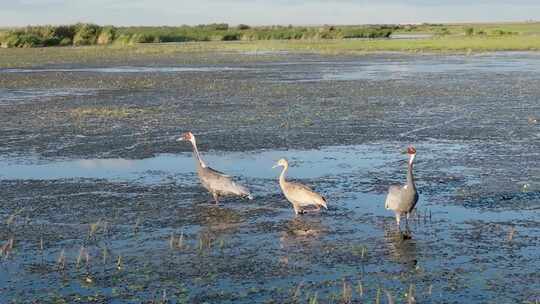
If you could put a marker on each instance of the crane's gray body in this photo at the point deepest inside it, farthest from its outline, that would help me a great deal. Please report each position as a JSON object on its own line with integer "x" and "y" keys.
{"x": 299, "y": 195}
{"x": 220, "y": 184}
{"x": 402, "y": 199}
{"x": 217, "y": 183}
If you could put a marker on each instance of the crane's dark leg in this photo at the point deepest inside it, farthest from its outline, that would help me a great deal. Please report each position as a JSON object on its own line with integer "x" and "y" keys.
{"x": 297, "y": 210}
{"x": 316, "y": 209}
{"x": 407, "y": 229}
{"x": 215, "y": 195}
{"x": 407, "y": 221}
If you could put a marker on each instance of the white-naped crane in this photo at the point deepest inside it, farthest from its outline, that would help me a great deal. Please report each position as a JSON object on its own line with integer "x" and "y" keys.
{"x": 299, "y": 195}
{"x": 403, "y": 198}
{"x": 217, "y": 183}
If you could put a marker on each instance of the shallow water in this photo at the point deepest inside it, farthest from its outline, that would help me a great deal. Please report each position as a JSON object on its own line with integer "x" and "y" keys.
{"x": 120, "y": 187}
{"x": 254, "y": 164}
{"x": 238, "y": 231}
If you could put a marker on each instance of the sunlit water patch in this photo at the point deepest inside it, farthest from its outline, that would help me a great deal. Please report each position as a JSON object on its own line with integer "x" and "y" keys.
{"x": 389, "y": 66}
{"x": 418, "y": 66}
{"x": 305, "y": 164}
{"x": 25, "y": 96}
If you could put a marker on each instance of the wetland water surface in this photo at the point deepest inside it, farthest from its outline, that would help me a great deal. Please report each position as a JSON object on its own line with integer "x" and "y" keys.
{"x": 103, "y": 205}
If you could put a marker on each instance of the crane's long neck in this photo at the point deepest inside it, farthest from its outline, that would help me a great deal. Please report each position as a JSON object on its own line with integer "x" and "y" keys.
{"x": 282, "y": 180}
{"x": 197, "y": 154}
{"x": 410, "y": 175}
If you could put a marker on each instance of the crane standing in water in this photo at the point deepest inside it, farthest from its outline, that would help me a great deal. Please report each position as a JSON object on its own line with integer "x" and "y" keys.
{"x": 217, "y": 183}
{"x": 403, "y": 199}
{"x": 299, "y": 195}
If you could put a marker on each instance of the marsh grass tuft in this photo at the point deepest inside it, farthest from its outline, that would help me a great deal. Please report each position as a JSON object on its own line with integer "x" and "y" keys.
{"x": 108, "y": 112}
{"x": 511, "y": 234}
{"x": 360, "y": 289}
{"x": 6, "y": 249}
{"x": 297, "y": 291}
{"x": 180, "y": 243}
{"x": 119, "y": 264}
{"x": 93, "y": 228}
{"x": 313, "y": 299}
{"x": 105, "y": 255}
{"x": 411, "y": 295}
{"x": 79, "y": 257}
{"x": 136, "y": 227}
{"x": 61, "y": 262}
{"x": 11, "y": 219}
{"x": 346, "y": 293}
{"x": 87, "y": 258}
{"x": 172, "y": 241}
{"x": 389, "y": 297}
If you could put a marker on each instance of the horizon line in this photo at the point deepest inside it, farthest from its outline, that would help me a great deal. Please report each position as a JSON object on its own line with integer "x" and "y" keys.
{"x": 276, "y": 24}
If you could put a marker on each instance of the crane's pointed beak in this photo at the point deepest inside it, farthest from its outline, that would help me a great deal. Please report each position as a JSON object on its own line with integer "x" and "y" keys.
{"x": 180, "y": 139}
{"x": 275, "y": 166}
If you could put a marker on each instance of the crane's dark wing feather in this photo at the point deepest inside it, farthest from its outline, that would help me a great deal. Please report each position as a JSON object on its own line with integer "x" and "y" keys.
{"x": 217, "y": 172}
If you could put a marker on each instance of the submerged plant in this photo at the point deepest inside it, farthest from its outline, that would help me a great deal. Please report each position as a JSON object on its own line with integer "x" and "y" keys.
{"x": 410, "y": 295}
{"x": 360, "y": 289}
{"x": 346, "y": 294}
{"x": 61, "y": 262}
{"x": 79, "y": 257}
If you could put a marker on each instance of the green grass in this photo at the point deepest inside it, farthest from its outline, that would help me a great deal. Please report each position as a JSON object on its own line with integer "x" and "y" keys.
{"x": 111, "y": 54}
{"x": 524, "y": 28}
{"x": 456, "y": 44}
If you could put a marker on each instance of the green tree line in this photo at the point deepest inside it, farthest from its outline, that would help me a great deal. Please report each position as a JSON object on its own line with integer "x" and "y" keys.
{"x": 91, "y": 34}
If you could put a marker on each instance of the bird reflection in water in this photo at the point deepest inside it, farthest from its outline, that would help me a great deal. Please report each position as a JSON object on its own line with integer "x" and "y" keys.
{"x": 301, "y": 233}
{"x": 401, "y": 246}
{"x": 217, "y": 223}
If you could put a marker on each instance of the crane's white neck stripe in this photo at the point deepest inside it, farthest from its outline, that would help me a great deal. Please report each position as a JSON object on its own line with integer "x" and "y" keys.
{"x": 411, "y": 158}
{"x": 194, "y": 143}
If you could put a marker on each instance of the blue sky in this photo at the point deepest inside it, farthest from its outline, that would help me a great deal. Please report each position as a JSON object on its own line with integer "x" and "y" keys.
{"x": 256, "y": 12}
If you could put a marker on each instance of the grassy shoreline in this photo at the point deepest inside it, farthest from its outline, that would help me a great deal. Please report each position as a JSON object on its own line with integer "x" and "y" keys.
{"x": 110, "y": 54}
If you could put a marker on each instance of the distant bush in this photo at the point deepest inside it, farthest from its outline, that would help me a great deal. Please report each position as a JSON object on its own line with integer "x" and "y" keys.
{"x": 443, "y": 31}
{"x": 469, "y": 31}
{"x": 62, "y": 35}
{"x": 231, "y": 37}
{"x": 480, "y": 33}
{"x": 65, "y": 31}
{"x": 87, "y": 34}
{"x": 66, "y": 41}
{"x": 52, "y": 41}
{"x": 144, "y": 38}
{"x": 243, "y": 27}
{"x": 123, "y": 39}
{"x": 368, "y": 32}
{"x": 499, "y": 32}
{"x": 22, "y": 39}
{"x": 106, "y": 35}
